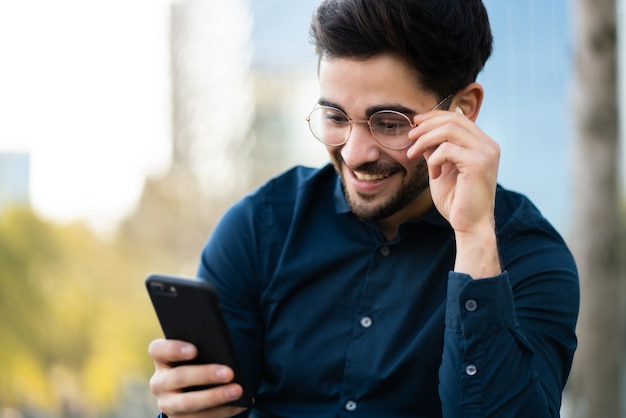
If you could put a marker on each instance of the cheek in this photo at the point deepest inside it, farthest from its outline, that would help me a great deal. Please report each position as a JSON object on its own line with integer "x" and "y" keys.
{"x": 416, "y": 171}
{"x": 335, "y": 156}
{"x": 419, "y": 164}
{"x": 411, "y": 165}
{"x": 419, "y": 170}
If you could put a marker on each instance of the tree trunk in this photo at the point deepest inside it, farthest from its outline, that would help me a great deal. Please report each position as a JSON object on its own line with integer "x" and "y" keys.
{"x": 596, "y": 380}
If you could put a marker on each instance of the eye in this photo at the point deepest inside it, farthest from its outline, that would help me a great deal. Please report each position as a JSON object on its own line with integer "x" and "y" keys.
{"x": 334, "y": 117}
{"x": 390, "y": 123}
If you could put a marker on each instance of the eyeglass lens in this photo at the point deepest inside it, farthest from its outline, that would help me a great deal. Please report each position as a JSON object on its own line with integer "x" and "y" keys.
{"x": 332, "y": 127}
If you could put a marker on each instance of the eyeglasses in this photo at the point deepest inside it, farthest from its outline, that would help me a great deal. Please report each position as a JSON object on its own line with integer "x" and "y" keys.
{"x": 332, "y": 126}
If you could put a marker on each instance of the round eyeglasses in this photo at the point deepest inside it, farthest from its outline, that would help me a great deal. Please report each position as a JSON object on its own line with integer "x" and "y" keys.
{"x": 332, "y": 126}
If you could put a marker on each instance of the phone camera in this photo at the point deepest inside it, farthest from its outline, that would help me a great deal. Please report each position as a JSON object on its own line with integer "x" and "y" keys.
{"x": 162, "y": 289}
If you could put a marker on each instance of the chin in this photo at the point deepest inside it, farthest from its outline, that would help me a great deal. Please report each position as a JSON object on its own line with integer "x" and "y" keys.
{"x": 376, "y": 209}
{"x": 367, "y": 211}
{"x": 398, "y": 196}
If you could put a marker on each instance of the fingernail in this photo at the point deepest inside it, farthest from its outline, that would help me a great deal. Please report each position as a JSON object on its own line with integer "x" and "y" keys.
{"x": 186, "y": 350}
{"x": 222, "y": 373}
{"x": 232, "y": 393}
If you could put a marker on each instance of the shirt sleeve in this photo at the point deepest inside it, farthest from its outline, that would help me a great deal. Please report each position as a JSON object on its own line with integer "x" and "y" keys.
{"x": 507, "y": 353}
{"x": 230, "y": 263}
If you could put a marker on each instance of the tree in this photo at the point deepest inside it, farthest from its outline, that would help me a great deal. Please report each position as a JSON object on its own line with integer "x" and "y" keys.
{"x": 596, "y": 380}
{"x": 212, "y": 108}
{"x": 76, "y": 319}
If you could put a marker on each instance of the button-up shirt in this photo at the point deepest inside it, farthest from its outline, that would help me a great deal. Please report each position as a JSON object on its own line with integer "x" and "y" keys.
{"x": 330, "y": 319}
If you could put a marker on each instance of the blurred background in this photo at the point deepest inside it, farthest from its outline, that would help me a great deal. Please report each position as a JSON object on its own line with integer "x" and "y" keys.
{"x": 127, "y": 127}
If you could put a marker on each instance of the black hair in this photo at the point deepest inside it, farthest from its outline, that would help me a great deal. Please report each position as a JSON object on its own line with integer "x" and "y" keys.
{"x": 446, "y": 41}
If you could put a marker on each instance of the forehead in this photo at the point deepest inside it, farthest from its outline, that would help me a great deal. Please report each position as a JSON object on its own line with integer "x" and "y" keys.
{"x": 358, "y": 83}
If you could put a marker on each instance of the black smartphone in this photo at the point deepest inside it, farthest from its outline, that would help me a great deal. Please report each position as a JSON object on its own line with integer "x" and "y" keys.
{"x": 188, "y": 310}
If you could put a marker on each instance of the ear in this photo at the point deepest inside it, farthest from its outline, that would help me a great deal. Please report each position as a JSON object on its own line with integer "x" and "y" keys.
{"x": 469, "y": 99}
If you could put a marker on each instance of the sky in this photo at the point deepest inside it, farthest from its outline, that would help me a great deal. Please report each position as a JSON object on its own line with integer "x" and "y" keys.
{"x": 527, "y": 108}
{"x": 84, "y": 89}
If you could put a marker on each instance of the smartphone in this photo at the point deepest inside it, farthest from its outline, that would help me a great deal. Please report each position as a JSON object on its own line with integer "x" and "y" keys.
{"x": 188, "y": 310}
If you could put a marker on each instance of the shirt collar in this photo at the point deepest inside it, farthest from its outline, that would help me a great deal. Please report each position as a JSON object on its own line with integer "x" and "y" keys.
{"x": 341, "y": 204}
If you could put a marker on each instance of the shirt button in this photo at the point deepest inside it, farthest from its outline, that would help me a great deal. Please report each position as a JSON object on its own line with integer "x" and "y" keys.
{"x": 384, "y": 251}
{"x": 366, "y": 322}
{"x": 471, "y": 370}
{"x": 351, "y": 406}
{"x": 471, "y": 305}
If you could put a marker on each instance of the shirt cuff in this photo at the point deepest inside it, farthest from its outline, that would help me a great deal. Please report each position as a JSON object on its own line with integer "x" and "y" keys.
{"x": 479, "y": 306}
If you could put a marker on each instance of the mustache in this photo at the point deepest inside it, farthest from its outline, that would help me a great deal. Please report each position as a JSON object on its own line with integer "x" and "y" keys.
{"x": 377, "y": 168}
{"x": 372, "y": 167}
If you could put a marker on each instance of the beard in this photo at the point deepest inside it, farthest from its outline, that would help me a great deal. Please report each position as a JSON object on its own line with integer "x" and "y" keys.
{"x": 411, "y": 187}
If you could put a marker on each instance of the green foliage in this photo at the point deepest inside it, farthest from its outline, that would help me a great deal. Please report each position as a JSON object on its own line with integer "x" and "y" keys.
{"x": 75, "y": 318}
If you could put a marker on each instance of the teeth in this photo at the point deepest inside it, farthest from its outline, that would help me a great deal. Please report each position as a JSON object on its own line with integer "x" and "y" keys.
{"x": 369, "y": 177}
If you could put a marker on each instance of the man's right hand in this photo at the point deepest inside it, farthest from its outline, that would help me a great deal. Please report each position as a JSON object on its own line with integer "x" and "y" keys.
{"x": 168, "y": 382}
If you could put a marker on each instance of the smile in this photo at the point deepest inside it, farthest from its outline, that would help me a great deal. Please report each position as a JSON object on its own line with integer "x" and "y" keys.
{"x": 370, "y": 177}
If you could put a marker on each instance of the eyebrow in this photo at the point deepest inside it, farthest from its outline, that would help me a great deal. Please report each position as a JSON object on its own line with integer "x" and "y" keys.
{"x": 373, "y": 109}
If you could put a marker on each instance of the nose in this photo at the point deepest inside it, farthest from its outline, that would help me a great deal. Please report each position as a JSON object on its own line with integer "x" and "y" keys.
{"x": 361, "y": 146}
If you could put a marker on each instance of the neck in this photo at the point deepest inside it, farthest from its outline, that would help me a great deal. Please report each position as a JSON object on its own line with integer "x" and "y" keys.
{"x": 422, "y": 203}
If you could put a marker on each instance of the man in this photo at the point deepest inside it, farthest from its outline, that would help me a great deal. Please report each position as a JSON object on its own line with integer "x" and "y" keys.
{"x": 400, "y": 281}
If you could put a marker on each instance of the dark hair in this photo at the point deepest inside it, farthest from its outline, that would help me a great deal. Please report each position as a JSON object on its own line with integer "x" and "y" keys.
{"x": 446, "y": 41}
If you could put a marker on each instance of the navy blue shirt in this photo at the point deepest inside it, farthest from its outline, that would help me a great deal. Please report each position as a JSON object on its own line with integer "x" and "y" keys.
{"x": 330, "y": 319}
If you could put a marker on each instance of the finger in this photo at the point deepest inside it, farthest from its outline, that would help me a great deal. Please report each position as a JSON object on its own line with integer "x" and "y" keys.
{"x": 435, "y": 135}
{"x": 427, "y": 121}
{"x": 463, "y": 159}
{"x": 439, "y": 157}
{"x": 176, "y": 379}
{"x": 421, "y": 118}
{"x": 171, "y": 351}
{"x": 211, "y": 402}
{"x": 466, "y": 136}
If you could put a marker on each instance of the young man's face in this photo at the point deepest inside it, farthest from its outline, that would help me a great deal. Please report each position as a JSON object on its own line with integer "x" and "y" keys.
{"x": 378, "y": 182}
